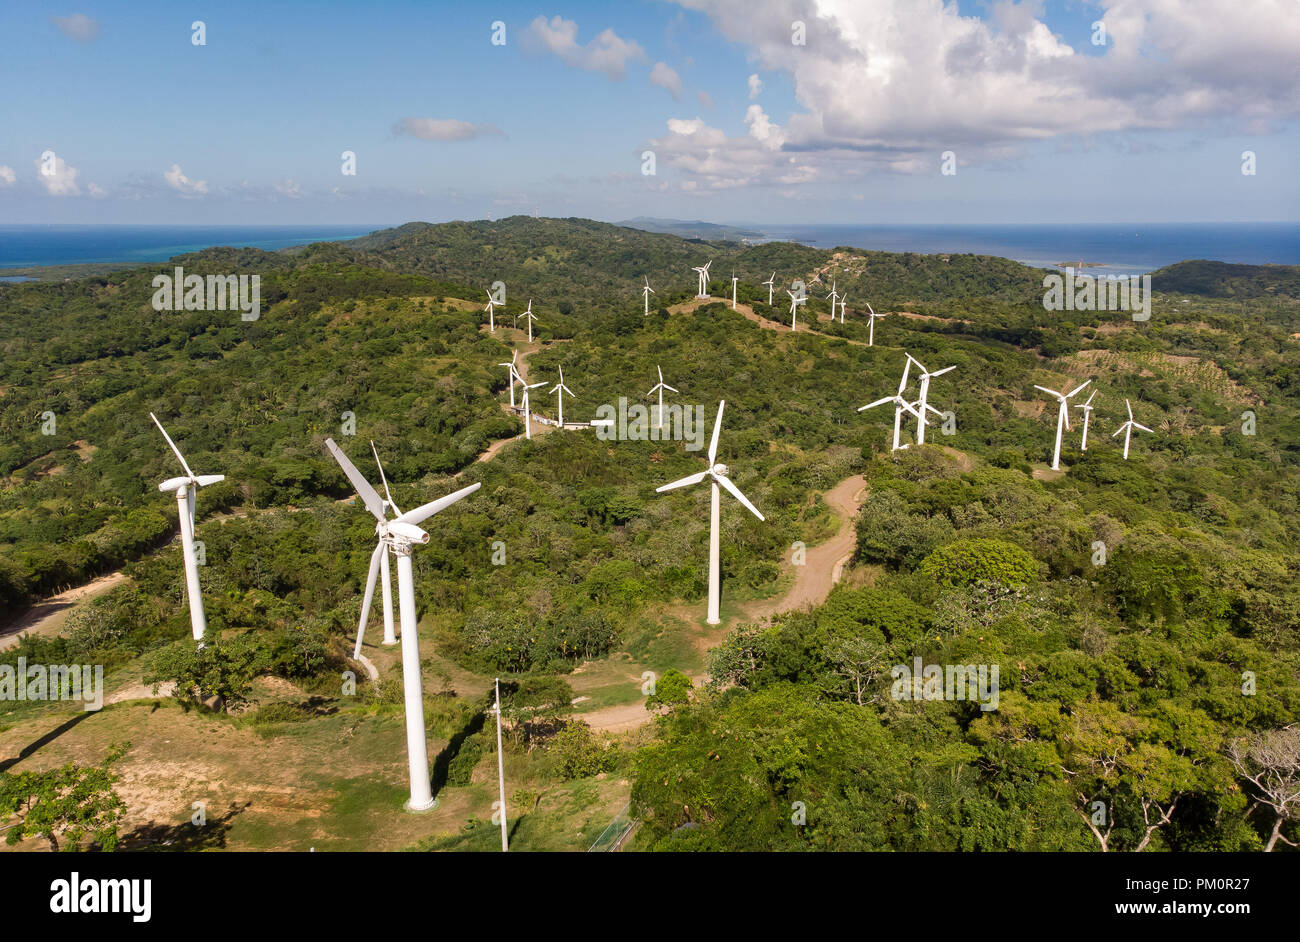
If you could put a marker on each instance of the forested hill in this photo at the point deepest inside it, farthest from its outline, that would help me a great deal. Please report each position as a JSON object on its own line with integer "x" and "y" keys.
{"x": 1224, "y": 280}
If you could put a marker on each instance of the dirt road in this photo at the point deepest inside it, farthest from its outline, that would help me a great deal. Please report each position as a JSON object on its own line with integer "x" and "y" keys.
{"x": 48, "y": 615}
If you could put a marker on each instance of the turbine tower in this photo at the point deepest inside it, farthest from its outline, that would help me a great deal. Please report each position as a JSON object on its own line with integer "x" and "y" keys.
{"x": 923, "y": 403}
{"x": 187, "y": 489}
{"x": 795, "y": 301}
{"x": 559, "y": 391}
{"x": 703, "y": 272}
{"x": 718, "y": 474}
{"x": 832, "y": 297}
{"x": 647, "y": 291}
{"x": 844, "y": 303}
{"x": 528, "y": 415}
{"x": 900, "y": 405}
{"x": 659, "y": 388}
{"x": 1128, "y": 427}
{"x": 1062, "y": 417}
{"x": 871, "y": 326}
{"x": 770, "y": 282}
{"x": 501, "y": 767}
{"x": 530, "y": 317}
{"x": 1087, "y": 414}
{"x": 400, "y": 535}
{"x": 514, "y": 375}
{"x": 733, "y": 290}
{"x": 491, "y": 306}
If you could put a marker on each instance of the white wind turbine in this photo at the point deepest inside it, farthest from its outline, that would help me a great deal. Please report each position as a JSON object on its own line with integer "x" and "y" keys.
{"x": 559, "y": 391}
{"x": 501, "y": 768}
{"x": 844, "y": 303}
{"x": 770, "y": 283}
{"x": 1062, "y": 417}
{"x": 718, "y": 474}
{"x": 923, "y": 403}
{"x": 900, "y": 404}
{"x": 514, "y": 375}
{"x": 1087, "y": 414}
{"x": 491, "y": 306}
{"x": 186, "y": 489}
{"x": 795, "y": 301}
{"x": 647, "y": 291}
{"x": 531, "y": 317}
{"x": 659, "y": 388}
{"x": 832, "y": 297}
{"x": 528, "y": 416}
{"x": 734, "y": 279}
{"x": 400, "y": 535}
{"x": 871, "y": 326}
{"x": 386, "y": 584}
{"x": 703, "y": 272}
{"x": 1128, "y": 427}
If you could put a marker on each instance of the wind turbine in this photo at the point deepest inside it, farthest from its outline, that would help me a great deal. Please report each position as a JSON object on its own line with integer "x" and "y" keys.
{"x": 1128, "y": 427}
{"x": 528, "y": 416}
{"x": 770, "y": 282}
{"x": 659, "y": 388}
{"x": 718, "y": 474}
{"x": 647, "y": 291}
{"x": 733, "y": 290}
{"x": 1087, "y": 414}
{"x": 832, "y": 296}
{"x": 795, "y": 301}
{"x": 900, "y": 404}
{"x": 704, "y": 280}
{"x": 501, "y": 768}
{"x": 531, "y": 317}
{"x": 390, "y": 637}
{"x": 187, "y": 489}
{"x": 923, "y": 404}
{"x": 491, "y": 306}
{"x": 844, "y": 303}
{"x": 400, "y": 535}
{"x": 871, "y": 331}
{"x": 514, "y": 375}
{"x": 559, "y": 390}
{"x": 1062, "y": 417}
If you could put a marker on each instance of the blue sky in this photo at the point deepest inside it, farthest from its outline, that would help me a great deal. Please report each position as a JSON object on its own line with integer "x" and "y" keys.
{"x": 849, "y": 127}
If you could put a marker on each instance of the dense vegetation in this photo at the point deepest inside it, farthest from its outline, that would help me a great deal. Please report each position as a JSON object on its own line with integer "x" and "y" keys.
{"x": 1121, "y": 679}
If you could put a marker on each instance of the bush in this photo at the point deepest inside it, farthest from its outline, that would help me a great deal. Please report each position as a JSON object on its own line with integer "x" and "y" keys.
{"x": 968, "y": 561}
{"x": 577, "y": 754}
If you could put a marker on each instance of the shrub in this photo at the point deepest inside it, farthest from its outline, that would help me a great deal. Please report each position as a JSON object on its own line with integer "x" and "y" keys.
{"x": 968, "y": 561}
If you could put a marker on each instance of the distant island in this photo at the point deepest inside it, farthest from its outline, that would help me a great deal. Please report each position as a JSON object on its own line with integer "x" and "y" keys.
{"x": 697, "y": 229}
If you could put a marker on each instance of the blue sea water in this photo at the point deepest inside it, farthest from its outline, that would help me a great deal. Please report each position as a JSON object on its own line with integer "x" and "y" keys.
{"x": 1123, "y": 248}
{"x": 29, "y": 246}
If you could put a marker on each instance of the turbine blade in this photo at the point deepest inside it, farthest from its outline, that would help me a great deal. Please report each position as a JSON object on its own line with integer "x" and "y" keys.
{"x": 1078, "y": 388}
{"x": 717, "y": 427}
{"x": 941, "y": 372}
{"x": 368, "y": 597}
{"x": 380, "y": 465}
{"x": 878, "y": 402}
{"x": 683, "y": 482}
{"x": 203, "y": 480}
{"x": 172, "y": 444}
{"x": 735, "y": 492}
{"x": 1051, "y": 391}
{"x": 425, "y": 511}
{"x": 669, "y": 388}
{"x": 369, "y": 496}
{"x": 1119, "y": 430}
{"x": 1142, "y": 427}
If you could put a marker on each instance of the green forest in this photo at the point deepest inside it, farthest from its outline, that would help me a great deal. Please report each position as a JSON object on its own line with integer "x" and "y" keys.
{"x": 1144, "y": 615}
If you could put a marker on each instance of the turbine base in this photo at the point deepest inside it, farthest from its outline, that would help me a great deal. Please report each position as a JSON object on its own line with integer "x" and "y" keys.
{"x": 422, "y": 808}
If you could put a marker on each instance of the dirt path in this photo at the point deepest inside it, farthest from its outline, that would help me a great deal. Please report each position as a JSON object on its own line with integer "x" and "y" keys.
{"x": 751, "y": 314}
{"x": 822, "y": 569}
{"x": 48, "y": 615}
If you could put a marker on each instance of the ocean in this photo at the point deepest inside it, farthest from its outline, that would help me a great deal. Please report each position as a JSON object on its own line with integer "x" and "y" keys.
{"x": 1122, "y": 248}
{"x": 31, "y": 246}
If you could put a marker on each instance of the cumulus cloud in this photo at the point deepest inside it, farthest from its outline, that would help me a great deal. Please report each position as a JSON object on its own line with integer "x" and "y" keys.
{"x": 62, "y": 182}
{"x": 608, "y": 53}
{"x": 893, "y": 83}
{"x": 96, "y": 191}
{"x": 7, "y": 175}
{"x": 444, "y": 129}
{"x": 77, "y": 26}
{"x": 183, "y": 184}
{"x": 665, "y": 76}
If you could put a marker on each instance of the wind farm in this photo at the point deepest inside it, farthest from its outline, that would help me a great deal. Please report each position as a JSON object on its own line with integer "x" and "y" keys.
{"x": 711, "y": 602}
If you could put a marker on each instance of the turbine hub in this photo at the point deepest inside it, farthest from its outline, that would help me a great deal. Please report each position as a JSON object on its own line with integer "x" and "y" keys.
{"x": 719, "y": 470}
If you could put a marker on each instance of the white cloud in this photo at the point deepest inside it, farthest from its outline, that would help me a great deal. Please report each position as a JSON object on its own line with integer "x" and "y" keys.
{"x": 289, "y": 188}
{"x": 665, "y": 76}
{"x": 444, "y": 129}
{"x": 62, "y": 182}
{"x": 77, "y": 26}
{"x": 96, "y": 191}
{"x": 892, "y": 83}
{"x": 608, "y": 53}
{"x": 705, "y": 99}
{"x": 7, "y": 175}
{"x": 183, "y": 184}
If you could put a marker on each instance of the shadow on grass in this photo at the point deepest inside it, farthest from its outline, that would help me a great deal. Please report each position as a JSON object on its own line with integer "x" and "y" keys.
{"x": 45, "y": 740}
{"x": 163, "y": 838}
